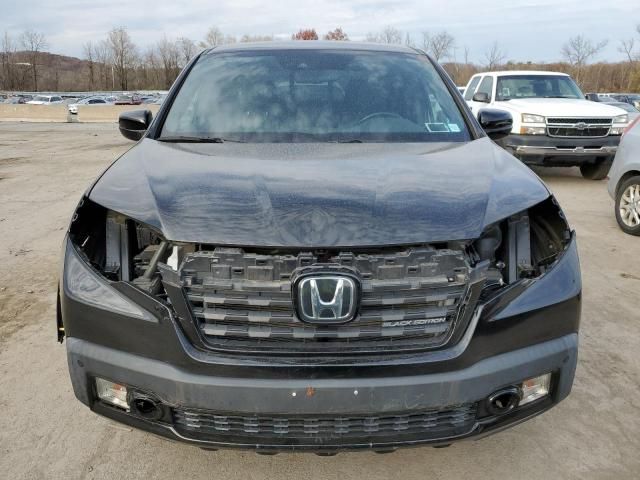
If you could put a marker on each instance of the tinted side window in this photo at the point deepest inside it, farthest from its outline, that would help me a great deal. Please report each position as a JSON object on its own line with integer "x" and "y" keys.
{"x": 486, "y": 86}
{"x": 468, "y": 94}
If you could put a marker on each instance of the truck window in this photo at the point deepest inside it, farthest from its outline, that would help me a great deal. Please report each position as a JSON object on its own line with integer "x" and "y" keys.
{"x": 486, "y": 86}
{"x": 468, "y": 94}
{"x": 536, "y": 86}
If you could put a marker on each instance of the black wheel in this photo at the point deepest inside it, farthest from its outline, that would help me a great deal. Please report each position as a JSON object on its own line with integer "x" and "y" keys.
{"x": 628, "y": 205}
{"x": 595, "y": 171}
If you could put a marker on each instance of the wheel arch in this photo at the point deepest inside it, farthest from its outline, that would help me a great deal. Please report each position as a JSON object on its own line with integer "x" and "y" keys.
{"x": 625, "y": 177}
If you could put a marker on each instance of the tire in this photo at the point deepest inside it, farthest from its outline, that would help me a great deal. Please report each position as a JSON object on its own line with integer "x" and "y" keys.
{"x": 628, "y": 205}
{"x": 595, "y": 171}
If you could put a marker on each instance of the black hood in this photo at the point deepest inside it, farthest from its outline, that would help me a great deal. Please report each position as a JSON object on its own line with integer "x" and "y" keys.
{"x": 318, "y": 195}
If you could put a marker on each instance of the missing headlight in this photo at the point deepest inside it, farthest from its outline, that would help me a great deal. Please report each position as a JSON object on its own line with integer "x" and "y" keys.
{"x": 550, "y": 233}
{"x": 118, "y": 247}
{"x": 535, "y": 240}
{"x": 524, "y": 245}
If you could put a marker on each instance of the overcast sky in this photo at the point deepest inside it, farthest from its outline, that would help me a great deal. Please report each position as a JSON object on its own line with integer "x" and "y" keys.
{"x": 525, "y": 29}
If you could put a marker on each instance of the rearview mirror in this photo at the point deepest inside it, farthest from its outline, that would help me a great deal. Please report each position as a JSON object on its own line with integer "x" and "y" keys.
{"x": 481, "y": 97}
{"x": 497, "y": 124}
{"x": 134, "y": 124}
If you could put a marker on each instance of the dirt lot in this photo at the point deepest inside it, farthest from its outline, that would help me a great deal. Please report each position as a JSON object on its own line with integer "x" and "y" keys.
{"x": 46, "y": 433}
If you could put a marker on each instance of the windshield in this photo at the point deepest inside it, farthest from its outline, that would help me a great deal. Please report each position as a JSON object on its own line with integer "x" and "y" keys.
{"x": 315, "y": 95}
{"x": 536, "y": 86}
{"x": 40, "y": 98}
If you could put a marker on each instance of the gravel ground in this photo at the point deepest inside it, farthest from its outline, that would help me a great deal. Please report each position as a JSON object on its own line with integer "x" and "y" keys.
{"x": 46, "y": 433}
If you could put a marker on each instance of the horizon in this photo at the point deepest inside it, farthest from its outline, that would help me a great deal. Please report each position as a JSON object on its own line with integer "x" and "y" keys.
{"x": 526, "y": 31}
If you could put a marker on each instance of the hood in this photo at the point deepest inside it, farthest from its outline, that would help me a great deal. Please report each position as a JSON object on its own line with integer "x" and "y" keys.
{"x": 563, "y": 107}
{"x": 318, "y": 195}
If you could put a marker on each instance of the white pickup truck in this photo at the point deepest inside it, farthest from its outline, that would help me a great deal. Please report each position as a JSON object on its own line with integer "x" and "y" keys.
{"x": 553, "y": 123}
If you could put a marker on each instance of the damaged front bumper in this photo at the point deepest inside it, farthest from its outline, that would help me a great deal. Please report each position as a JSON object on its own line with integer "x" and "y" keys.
{"x": 289, "y": 414}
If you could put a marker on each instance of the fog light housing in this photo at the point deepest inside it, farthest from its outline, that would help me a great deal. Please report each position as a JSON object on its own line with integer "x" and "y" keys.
{"x": 535, "y": 388}
{"x": 112, "y": 393}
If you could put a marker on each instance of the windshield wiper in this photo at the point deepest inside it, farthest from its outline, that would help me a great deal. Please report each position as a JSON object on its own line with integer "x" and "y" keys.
{"x": 195, "y": 139}
{"x": 349, "y": 140}
{"x": 558, "y": 96}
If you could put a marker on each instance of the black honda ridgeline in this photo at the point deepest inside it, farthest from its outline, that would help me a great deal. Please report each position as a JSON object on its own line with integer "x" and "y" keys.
{"x": 314, "y": 246}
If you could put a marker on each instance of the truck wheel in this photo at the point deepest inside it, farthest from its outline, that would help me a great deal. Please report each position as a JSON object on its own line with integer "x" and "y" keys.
{"x": 628, "y": 205}
{"x": 595, "y": 171}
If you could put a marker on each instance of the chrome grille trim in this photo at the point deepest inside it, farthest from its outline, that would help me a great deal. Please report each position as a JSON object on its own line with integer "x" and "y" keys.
{"x": 564, "y": 127}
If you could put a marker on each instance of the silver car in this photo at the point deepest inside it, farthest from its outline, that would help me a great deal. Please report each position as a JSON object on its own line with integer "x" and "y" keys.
{"x": 624, "y": 180}
{"x": 73, "y": 107}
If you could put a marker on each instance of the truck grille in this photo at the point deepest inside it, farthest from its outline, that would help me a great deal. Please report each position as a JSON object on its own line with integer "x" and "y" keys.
{"x": 410, "y": 298}
{"x": 578, "y": 127}
{"x": 441, "y": 423}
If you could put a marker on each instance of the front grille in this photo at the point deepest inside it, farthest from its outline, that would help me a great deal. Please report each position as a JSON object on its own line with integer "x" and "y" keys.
{"x": 578, "y": 127}
{"x": 425, "y": 424}
{"x": 410, "y": 298}
{"x": 588, "y": 121}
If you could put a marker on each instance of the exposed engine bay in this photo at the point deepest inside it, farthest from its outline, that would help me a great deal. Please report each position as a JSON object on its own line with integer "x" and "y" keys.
{"x": 242, "y": 297}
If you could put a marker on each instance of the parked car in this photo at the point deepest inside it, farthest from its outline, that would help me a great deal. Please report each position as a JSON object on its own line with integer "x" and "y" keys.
{"x": 128, "y": 100}
{"x": 316, "y": 247}
{"x": 16, "y": 100}
{"x": 73, "y": 108}
{"x": 630, "y": 98}
{"x": 632, "y": 111}
{"x": 633, "y": 99}
{"x": 553, "y": 124}
{"x": 624, "y": 180}
{"x": 594, "y": 97}
{"x": 160, "y": 99}
{"x": 45, "y": 100}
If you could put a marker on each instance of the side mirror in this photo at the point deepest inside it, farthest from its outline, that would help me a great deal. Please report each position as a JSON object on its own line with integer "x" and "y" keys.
{"x": 134, "y": 124}
{"x": 481, "y": 97}
{"x": 497, "y": 124}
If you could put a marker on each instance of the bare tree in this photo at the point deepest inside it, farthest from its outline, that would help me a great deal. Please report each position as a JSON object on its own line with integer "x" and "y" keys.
{"x": 408, "y": 41}
{"x": 213, "y": 38}
{"x": 627, "y": 47}
{"x": 187, "y": 49}
{"x": 466, "y": 55}
{"x": 388, "y": 35}
{"x": 337, "y": 35}
{"x": 439, "y": 46}
{"x": 101, "y": 51}
{"x": 152, "y": 69}
{"x": 494, "y": 56}
{"x": 89, "y": 56}
{"x": 442, "y": 45}
{"x": 256, "y": 38}
{"x": 579, "y": 50}
{"x": 33, "y": 42}
{"x": 123, "y": 54}
{"x": 170, "y": 57}
{"x": 7, "y": 59}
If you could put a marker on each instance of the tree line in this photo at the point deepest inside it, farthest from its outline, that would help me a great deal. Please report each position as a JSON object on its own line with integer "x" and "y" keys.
{"x": 117, "y": 63}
